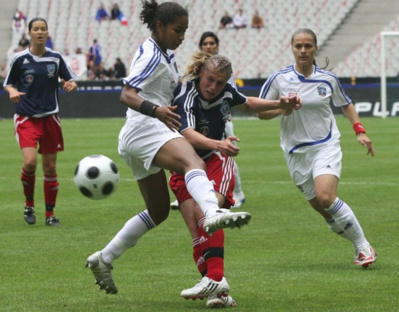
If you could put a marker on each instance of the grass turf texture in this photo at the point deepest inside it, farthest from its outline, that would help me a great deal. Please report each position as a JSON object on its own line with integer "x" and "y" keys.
{"x": 285, "y": 260}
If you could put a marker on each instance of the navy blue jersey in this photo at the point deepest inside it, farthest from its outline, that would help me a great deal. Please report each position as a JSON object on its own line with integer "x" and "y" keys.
{"x": 207, "y": 118}
{"x": 38, "y": 78}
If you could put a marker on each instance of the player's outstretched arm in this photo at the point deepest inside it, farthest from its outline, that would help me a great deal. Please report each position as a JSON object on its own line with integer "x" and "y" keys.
{"x": 350, "y": 113}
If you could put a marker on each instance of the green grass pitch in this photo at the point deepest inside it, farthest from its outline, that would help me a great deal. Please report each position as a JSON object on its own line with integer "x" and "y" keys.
{"x": 284, "y": 260}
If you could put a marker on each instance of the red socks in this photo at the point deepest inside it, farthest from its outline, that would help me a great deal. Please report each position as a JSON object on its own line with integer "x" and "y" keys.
{"x": 50, "y": 193}
{"x": 212, "y": 251}
{"x": 28, "y": 183}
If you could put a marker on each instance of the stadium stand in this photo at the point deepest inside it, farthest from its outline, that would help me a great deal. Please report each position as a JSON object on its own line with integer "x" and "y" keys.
{"x": 254, "y": 53}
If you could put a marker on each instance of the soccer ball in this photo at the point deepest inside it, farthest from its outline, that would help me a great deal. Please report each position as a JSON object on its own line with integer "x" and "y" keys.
{"x": 96, "y": 176}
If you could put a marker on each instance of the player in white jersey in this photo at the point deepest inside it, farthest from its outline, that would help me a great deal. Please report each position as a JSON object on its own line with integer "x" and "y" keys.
{"x": 149, "y": 141}
{"x": 209, "y": 42}
{"x": 310, "y": 138}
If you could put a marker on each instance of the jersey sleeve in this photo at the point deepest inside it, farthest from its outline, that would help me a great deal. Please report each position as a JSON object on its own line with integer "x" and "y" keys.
{"x": 65, "y": 72}
{"x": 13, "y": 74}
{"x": 269, "y": 90}
{"x": 185, "y": 107}
{"x": 144, "y": 70}
{"x": 339, "y": 97}
{"x": 238, "y": 98}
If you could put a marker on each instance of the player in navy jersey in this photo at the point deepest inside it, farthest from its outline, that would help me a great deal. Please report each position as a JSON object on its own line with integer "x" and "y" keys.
{"x": 149, "y": 141}
{"x": 310, "y": 138}
{"x": 204, "y": 102}
{"x": 32, "y": 84}
{"x": 209, "y": 42}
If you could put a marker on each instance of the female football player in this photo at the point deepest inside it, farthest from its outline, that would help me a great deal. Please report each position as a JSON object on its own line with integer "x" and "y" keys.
{"x": 209, "y": 42}
{"x": 149, "y": 141}
{"x": 32, "y": 84}
{"x": 204, "y": 102}
{"x": 310, "y": 138}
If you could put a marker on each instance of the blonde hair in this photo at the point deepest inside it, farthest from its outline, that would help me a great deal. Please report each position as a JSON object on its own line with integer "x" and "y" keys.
{"x": 207, "y": 61}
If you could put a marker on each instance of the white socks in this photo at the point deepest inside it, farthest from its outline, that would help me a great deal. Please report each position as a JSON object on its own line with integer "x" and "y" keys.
{"x": 128, "y": 236}
{"x": 201, "y": 190}
{"x": 346, "y": 222}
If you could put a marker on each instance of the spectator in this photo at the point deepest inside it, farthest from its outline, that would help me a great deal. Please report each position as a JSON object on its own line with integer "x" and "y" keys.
{"x": 257, "y": 20}
{"x": 94, "y": 54}
{"x": 18, "y": 22}
{"x": 101, "y": 14}
{"x": 3, "y": 71}
{"x": 49, "y": 42}
{"x": 119, "y": 69}
{"x": 226, "y": 21}
{"x": 91, "y": 75}
{"x": 23, "y": 42}
{"x": 100, "y": 72}
{"x": 78, "y": 50}
{"x": 115, "y": 11}
{"x": 240, "y": 20}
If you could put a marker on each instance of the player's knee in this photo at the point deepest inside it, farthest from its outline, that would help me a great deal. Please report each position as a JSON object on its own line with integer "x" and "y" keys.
{"x": 159, "y": 215}
{"x": 325, "y": 199}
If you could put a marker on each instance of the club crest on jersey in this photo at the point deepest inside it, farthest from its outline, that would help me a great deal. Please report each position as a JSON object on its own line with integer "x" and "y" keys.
{"x": 322, "y": 91}
{"x": 29, "y": 79}
{"x": 225, "y": 110}
{"x": 204, "y": 130}
{"x": 51, "y": 70}
{"x": 172, "y": 83}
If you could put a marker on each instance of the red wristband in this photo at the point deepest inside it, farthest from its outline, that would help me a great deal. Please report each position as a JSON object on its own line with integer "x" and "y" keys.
{"x": 358, "y": 127}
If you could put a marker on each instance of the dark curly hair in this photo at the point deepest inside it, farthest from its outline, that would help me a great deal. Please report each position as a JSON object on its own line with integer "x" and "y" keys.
{"x": 166, "y": 13}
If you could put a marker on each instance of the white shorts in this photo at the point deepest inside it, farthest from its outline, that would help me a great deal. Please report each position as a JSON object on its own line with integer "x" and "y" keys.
{"x": 139, "y": 142}
{"x": 305, "y": 167}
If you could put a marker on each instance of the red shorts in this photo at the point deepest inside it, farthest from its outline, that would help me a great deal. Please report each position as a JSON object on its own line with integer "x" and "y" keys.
{"x": 47, "y": 131}
{"x": 220, "y": 171}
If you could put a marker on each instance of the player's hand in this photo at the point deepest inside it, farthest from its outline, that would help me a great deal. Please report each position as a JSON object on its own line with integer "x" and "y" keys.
{"x": 167, "y": 115}
{"x": 292, "y": 102}
{"x": 15, "y": 95}
{"x": 69, "y": 86}
{"x": 228, "y": 148}
{"x": 286, "y": 112}
{"x": 364, "y": 140}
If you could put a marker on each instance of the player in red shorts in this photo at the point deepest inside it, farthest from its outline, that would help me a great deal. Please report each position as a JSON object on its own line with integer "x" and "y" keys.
{"x": 204, "y": 101}
{"x": 32, "y": 84}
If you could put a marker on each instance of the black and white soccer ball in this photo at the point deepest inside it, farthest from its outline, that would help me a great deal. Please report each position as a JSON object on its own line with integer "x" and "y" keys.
{"x": 96, "y": 176}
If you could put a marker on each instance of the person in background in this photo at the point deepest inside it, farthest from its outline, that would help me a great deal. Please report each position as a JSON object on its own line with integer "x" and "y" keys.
{"x": 49, "y": 42}
{"x": 18, "y": 22}
{"x": 3, "y": 71}
{"x": 240, "y": 20}
{"x": 32, "y": 85}
{"x": 119, "y": 69}
{"x": 94, "y": 54}
{"x": 310, "y": 138}
{"x": 101, "y": 13}
{"x": 204, "y": 101}
{"x": 23, "y": 43}
{"x": 257, "y": 21}
{"x": 149, "y": 141}
{"x": 115, "y": 11}
{"x": 226, "y": 21}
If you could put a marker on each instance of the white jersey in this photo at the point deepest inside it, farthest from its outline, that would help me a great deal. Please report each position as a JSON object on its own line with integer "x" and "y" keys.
{"x": 314, "y": 123}
{"x": 155, "y": 74}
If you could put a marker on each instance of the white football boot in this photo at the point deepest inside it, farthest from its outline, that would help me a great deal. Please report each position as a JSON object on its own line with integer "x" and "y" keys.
{"x": 224, "y": 218}
{"x": 216, "y": 302}
{"x": 102, "y": 273}
{"x": 205, "y": 288}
